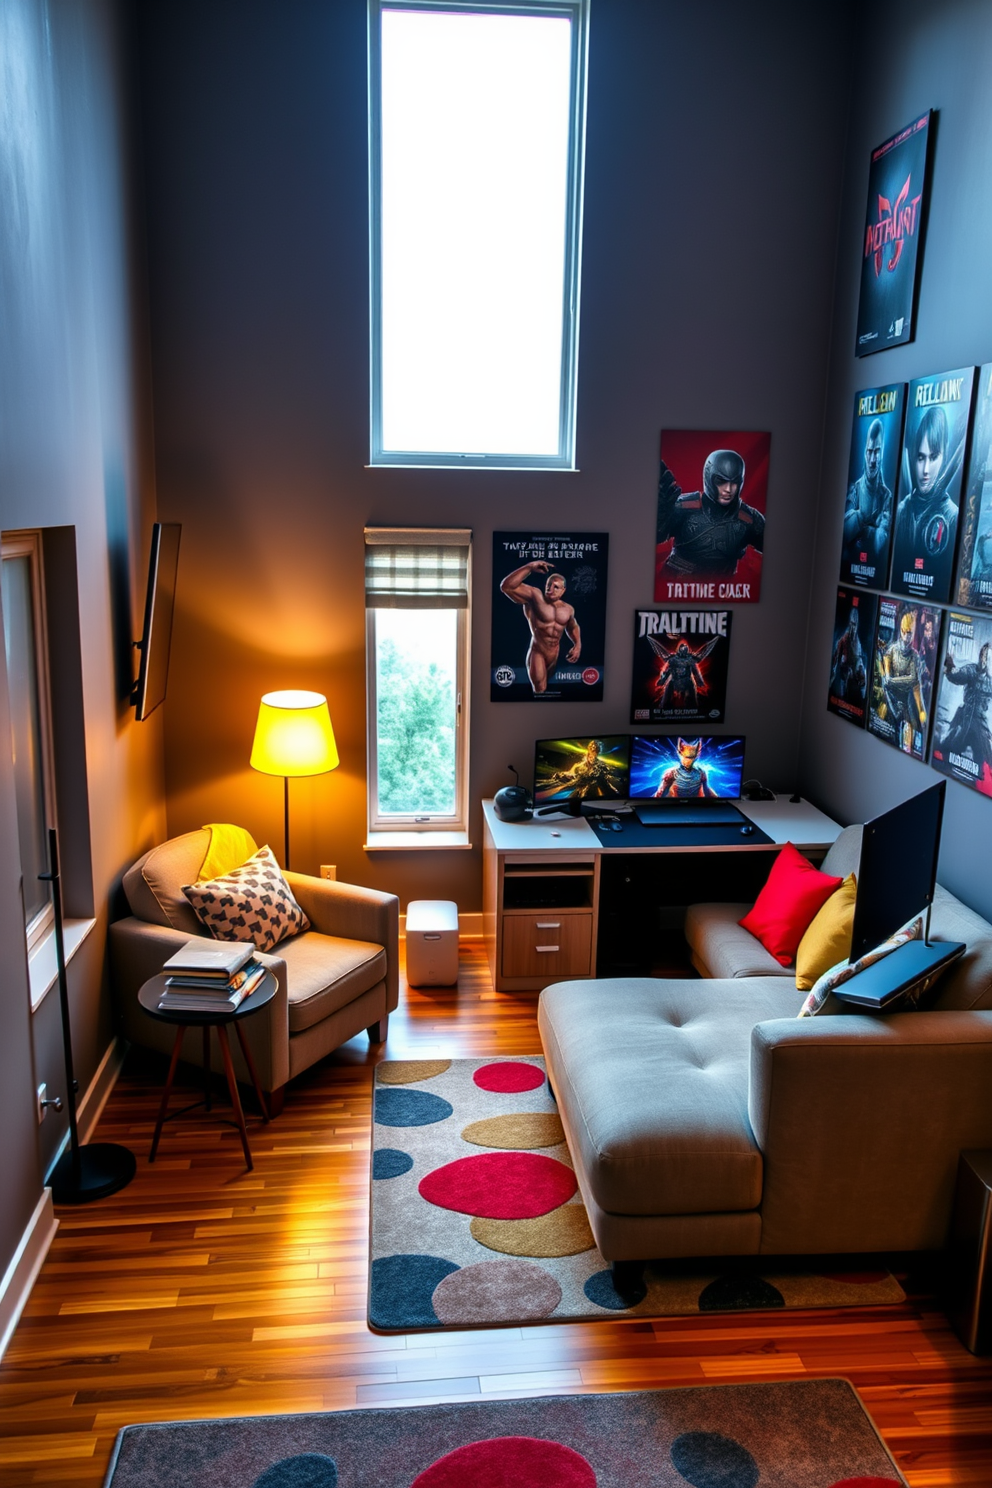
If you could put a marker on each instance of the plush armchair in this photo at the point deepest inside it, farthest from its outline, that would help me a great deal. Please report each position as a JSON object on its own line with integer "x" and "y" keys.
{"x": 335, "y": 979}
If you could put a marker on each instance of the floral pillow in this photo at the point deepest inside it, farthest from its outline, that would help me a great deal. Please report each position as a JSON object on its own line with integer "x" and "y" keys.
{"x": 252, "y": 903}
{"x": 820, "y": 999}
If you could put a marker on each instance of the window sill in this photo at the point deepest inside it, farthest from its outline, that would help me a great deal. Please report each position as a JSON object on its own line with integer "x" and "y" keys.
{"x": 391, "y": 841}
{"x": 43, "y": 969}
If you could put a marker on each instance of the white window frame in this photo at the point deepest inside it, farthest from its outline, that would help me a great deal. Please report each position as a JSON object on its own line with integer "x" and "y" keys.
{"x": 28, "y": 545}
{"x": 577, "y": 11}
{"x": 423, "y": 827}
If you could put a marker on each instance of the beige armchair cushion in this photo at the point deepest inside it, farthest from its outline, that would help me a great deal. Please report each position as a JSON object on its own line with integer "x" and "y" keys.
{"x": 153, "y": 885}
{"x": 325, "y": 973}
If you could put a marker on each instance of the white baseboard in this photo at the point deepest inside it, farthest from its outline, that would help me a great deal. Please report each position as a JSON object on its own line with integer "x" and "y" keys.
{"x": 15, "y": 1288}
{"x": 469, "y": 926}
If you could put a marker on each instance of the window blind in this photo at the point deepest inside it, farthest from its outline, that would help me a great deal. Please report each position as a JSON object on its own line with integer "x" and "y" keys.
{"x": 417, "y": 568}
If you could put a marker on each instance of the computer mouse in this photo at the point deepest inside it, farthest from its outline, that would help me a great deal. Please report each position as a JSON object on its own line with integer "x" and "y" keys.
{"x": 616, "y": 826}
{"x": 746, "y": 831}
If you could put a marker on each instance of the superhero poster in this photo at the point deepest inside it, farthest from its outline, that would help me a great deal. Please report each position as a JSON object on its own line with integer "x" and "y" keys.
{"x": 925, "y": 530}
{"x": 872, "y": 475}
{"x": 962, "y": 743}
{"x": 712, "y": 494}
{"x": 973, "y": 585}
{"x": 904, "y": 662}
{"x": 680, "y": 666}
{"x": 549, "y": 617}
{"x": 898, "y": 186}
{"x": 851, "y": 657}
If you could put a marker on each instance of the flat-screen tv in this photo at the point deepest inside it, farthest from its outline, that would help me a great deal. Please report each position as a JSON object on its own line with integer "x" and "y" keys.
{"x": 898, "y": 868}
{"x": 718, "y": 761}
{"x": 156, "y": 635}
{"x": 592, "y": 768}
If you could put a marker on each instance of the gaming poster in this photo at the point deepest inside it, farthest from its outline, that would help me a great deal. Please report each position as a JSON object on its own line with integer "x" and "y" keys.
{"x": 897, "y": 198}
{"x": 712, "y": 494}
{"x": 587, "y": 769}
{"x": 925, "y": 531}
{"x": 904, "y": 664}
{"x": 962, "y": 743}
{"x": 681, "y": 659}
{"x": 851, "y": 657}
{"x": 872, "y": 476}
{"x": 549, "y": 617}
{"x": 973, "y": 586}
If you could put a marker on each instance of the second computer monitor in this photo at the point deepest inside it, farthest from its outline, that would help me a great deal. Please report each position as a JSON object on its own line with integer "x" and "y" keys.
{"x": 591, "y": 768}
{"x": 686, "y": 766}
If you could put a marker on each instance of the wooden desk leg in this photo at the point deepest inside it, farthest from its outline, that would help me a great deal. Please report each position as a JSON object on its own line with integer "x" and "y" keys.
{"x": 164, "y": 1106}
{"x": 206, "y": 1065}
{"x": 252, "y": 1071}
{"x": 232, "y": 1085}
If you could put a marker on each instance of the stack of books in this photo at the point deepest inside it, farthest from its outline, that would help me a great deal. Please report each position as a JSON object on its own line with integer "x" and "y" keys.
{"x": 206, "y": 977}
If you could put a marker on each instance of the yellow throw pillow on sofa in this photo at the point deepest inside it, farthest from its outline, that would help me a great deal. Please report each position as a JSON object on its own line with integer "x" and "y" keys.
{"x": 230, "y": 846}
{"x": 828, "y": 938}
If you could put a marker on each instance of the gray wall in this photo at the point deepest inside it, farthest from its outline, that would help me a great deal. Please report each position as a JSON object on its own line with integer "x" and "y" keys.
{"x": 929, "y": 56}
{"x": 712, "y": 185}
{"x": 74, "y": 450}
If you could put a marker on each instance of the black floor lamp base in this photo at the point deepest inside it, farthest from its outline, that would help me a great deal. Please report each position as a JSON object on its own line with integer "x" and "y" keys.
{"x": 103, "y": 1168}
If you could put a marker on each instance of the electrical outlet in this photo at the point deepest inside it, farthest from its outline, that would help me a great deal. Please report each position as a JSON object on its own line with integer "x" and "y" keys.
{"x": 40, "y": 1098}
{"x": 328, "y": 870}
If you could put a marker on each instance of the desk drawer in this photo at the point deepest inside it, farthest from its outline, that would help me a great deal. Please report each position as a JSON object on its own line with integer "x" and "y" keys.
{"x": 548, "y": 944}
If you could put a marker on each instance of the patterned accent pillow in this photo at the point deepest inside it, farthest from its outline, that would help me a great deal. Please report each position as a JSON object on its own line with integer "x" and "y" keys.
{"x": 820, "y": 999}
{"x": 253, "y": 902}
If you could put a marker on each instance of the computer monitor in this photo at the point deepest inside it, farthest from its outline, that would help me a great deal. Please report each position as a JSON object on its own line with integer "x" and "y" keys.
{"x": 657, "y": 760}
{"x": 898, "y": 868}
{"x": 595, "y": 767}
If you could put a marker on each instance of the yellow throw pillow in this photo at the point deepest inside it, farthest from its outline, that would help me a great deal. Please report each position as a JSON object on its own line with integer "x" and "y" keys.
{"x": 828, "y": 938}
{"x": 229, "y": 848}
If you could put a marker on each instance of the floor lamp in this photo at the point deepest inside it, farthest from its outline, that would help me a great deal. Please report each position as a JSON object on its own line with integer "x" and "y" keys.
{"x": 293, "y": 736}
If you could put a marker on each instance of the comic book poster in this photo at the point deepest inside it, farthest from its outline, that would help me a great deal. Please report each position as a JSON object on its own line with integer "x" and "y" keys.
{"x": 904, "y": 662}
{"x": 973, "y": 586}
{"x": 851, "y": 657}
{"x": 962, "y": 743}
{"x": 897, "y": 196}
{"x": 680, "y": 666}
{"x": 925, "y": 530}
{"x": 712, "y": 494}
{"x": 549, "y": 616}
{"x": 872, "y": 475}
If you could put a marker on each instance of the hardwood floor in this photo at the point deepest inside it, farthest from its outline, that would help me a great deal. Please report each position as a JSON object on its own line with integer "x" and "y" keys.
{"x": 203, "y": 1290}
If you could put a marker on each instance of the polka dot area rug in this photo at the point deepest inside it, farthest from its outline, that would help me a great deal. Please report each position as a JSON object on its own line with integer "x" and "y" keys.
{"x": 797, "y": 1434}
{"x": 477, "y": 1219}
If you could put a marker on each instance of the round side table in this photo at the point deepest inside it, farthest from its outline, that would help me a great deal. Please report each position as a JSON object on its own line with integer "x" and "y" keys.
{"x": 149, "y": 996}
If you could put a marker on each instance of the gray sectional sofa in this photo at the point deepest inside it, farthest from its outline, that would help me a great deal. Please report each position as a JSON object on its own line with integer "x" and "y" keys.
{"x": 705, "y": 1118}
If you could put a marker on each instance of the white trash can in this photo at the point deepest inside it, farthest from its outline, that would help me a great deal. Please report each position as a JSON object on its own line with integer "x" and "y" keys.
{"x": 431, "y": 943}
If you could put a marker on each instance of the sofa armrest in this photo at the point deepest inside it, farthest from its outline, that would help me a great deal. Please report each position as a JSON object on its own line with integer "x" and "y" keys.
{"x": 860, "y": 1120}
{"x": 356, "y": 914}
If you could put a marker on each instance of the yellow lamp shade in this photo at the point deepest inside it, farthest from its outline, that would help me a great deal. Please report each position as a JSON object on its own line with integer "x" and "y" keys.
{"x": 293, "y": 735}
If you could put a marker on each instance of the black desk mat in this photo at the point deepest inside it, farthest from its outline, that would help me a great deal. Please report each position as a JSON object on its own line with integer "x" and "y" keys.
{"x": 633, "y": 835}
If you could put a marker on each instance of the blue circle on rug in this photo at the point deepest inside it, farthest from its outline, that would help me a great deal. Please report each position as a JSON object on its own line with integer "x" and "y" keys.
{"x": 308, "y": 1470}
{"x": 708, "y": 1460}
{"x": 739, "y": 1294}
{"x": 401, "y": 1289}
{"x": 398, "y": 1107}
{"x": 389, "y": 1162}
{"x": 600, "y": 1289}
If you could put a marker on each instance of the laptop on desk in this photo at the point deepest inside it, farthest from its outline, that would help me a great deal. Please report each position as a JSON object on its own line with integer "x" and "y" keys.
{"x": 693, "y": 780}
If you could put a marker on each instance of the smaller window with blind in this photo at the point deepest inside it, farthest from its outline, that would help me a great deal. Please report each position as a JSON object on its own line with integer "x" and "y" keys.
{"x": 417, "y": 603}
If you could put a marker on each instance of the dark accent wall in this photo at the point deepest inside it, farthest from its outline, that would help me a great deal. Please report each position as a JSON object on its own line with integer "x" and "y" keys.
{"x": 713, "y": 177}
{"x": 915, "y": 57}
{"x": 74, "y": 453}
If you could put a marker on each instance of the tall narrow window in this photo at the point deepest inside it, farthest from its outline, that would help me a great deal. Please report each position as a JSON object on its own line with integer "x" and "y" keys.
{"x": 417, "y": 585}
{"x": 31, "y": 739}
{"x": 476, "y": 144}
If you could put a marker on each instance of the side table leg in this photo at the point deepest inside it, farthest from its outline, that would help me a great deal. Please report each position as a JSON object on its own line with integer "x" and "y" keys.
{"x": 252, "y": 1071}
{"x": 232, "y": 1085}
{"x": 206, "y": 1065}
{"x": 164, "y": 1106}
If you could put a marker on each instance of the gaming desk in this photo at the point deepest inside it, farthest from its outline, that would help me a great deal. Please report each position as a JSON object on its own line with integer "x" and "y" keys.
{"x": 563, "y": 899}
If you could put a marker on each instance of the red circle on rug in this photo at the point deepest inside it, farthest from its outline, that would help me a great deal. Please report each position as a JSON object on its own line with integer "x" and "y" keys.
{"x": 500, "y": 1185}
{"x": 509, "y": 1462}
{"x": 509, "y": 1076}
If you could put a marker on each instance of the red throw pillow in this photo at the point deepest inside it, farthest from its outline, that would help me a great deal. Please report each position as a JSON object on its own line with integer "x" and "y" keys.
{"x": 784, "y": 910}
